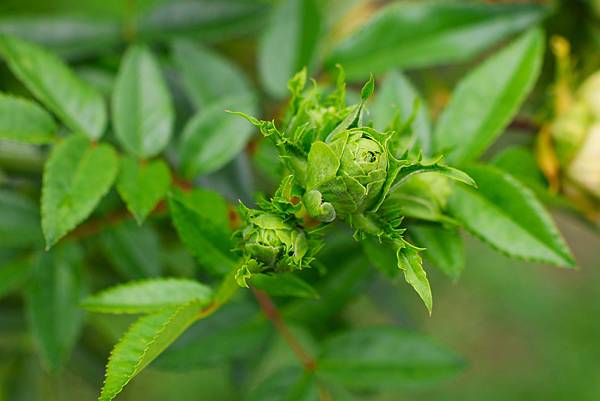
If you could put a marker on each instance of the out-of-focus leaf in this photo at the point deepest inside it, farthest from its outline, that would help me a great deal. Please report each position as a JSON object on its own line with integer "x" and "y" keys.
{"x": 14, "y": 274}
{"x": 381, "y": 255}
{"x": 396, "y": 98}
{"x": 142, "y": 185}
{"x": 291, "y": 384}
{"x": 443, "y": 247}
{"x": 77, "y": 175}
{"x": 505, "y": 214}
{"x": 148, "y": 296}
{"x": 53, "y": 296}
{"x": 520, "y": 162}
{"x": 24, "y": 121}
{"x": 19, "y": 220}
{"x": 142, "y": 109}
{"x": 99, "y": 78}
{"x": 488, "y": 98}
{"x": 206, "y": 19}
{"x": 213, "y": 137}
{"x": 284, "y": 284}
{"x": 210, "y": 343}
{"x": 429, "y": 33}
{"x": 385, "y": 357}
{"x": 134, "y": 251}
{"x": 53, "y": 83}
{"x": 289, "y": 43}
{"x": 207, "y": 76}
{"x": 142, "y": 343}
{"x": 201, "y": 219}
{"x": 69, "y": 36}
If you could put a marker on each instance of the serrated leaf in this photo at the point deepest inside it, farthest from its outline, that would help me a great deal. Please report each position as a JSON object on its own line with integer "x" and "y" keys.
{"x": 24, "y": 121}
{"x": 76, "y": 176}
{"x": 148, "y": 296}
{"x": 283, "y": 284}
{"x": 142, "y": 185}
{"x": 142, "y": 343}
{"x": 443, "y": 247}
{"x": 14, "y": 274}
{"x": 201, "y": 220}
{"x": 207, "y": 76}
{"x": 507, "y": 215}
{"x": 288, "y": 43}
{"x": 428, "y": 33}
{"x": 410, "y": 262}
{"x": 490, "y": 96}
{"x": 53, "y": 83}
{"x": 134, "y": 251}
{"x": 212, "y": 137}
{"x": 52, "y": 302}
{"x": 142, "y": 109}
{"x": 385, "y": 357}
{"x": 288, "y": 384}
{"x": 19, "y": 220}
{"x": 397, "y": 95}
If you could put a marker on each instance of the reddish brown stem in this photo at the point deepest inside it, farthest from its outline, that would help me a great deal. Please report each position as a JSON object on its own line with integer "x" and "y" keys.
{"x": 272, "y": 313}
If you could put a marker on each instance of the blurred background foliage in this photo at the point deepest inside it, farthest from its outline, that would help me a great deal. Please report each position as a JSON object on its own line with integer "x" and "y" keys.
{"x": 526, "y": 332}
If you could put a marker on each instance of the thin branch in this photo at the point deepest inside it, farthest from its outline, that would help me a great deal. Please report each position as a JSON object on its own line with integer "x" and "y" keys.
{"x": 270, "y": 310}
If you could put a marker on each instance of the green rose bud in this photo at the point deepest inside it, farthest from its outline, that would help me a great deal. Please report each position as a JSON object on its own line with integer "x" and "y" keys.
{"x": 348, "y": 170}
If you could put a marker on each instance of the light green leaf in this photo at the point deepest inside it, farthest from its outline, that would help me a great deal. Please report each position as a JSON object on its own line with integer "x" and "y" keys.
{"x": 24, "y": 121}
{"x": 142, "y": 184}
{"x": 323, "y": 165}
{"x": 507, "y": 215}
{"x": 142, "y": 343}
{"x": 212, "y": 138}
{"x": 443, "y": 247}
{"x": 51, "y": 81}
{"x": 142, "y": 110}
{"x": 397, "y": 95}
{"x": 520, "y": 162}
{"x": 289, "y": 384}
{"x": 201, "y": 220}
{"x": 410, "y": 262}
{"x": 487, "y": 99}
{"x": 288, "y": 43}
{"x": 19, "y": 220}
{"x": 14, "y": 274}
{"x": 446, "y": 171}
{"x": 283, "y": 284}
{"x": 207, "y": 76}
{"x": 133, "y": 250}
{"x": 76, "y": 176}
{"x": 428, "y": 33}
{"x": 52, "y": 302}
{"x": 385, "y": 357}
{"x": 148, "y": 296}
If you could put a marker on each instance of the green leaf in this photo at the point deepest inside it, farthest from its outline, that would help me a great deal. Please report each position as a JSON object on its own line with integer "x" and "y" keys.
{"x": 381, "y": 255}
{"x": 142, "y": 110}
{"x": 76, "y": 176}
{"x": 289, "y": 384}
{"x": 449, "y": 172}
{"x": 52, "y": 302}
{"x": 490, "y": 96}
{"x": 410, "y": 262}
{"x": 148, "y": 296}
{"x": 19, "y": 220}
{"x": 288, "y": 43}
{"x": 507, "y": 215}
{"x": 385, "y": 357}
{"x": 24, "y": 121}
{"x": 212, "y": 138}
{"x": 283, "y": 284}
{"x": 520, "y": 162}
{"x": 428, "y": 33}
{"x": 207, "y": 76}
{"x": 201, "y": 220}
{"x": 396, "y": 96}
{"x": 142, "y": 185}
{"x": 14, "y": 274}
{"x": 51, "y": 81}
{"x": 443, "y": 247}
{"x": 323, "y": 165}
{"x": 134, "y": 251}
{"x": 142, "y": 343}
